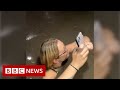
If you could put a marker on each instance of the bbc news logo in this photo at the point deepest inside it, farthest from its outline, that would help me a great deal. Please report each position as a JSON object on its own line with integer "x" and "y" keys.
{"x": 23, "y": 70}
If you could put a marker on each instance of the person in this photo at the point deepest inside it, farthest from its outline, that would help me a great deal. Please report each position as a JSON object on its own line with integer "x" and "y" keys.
{"x": 106, "y": 46}
{"x": 53, "y": 53}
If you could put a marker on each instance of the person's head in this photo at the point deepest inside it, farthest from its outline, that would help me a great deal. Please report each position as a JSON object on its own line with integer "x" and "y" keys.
{"x": 53, "y": 52}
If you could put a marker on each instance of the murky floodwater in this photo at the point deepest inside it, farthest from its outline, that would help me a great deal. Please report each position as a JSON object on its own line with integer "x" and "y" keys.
{"x": 34, "y": 27}
{"x": 62, "y": 25}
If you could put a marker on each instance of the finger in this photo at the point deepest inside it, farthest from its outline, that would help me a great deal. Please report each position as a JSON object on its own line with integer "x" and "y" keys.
{"x": 75, "y": 51}
{"x": 85, "y": 55}
{"x": 85, "y": 59}
{"x": 90, "y": 45}
{"x": 84, "y": 50}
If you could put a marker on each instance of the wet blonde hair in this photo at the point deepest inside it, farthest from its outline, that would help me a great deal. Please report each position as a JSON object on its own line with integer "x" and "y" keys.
{"x": 48, "y": 52}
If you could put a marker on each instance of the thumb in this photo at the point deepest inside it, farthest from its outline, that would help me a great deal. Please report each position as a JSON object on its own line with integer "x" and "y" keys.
{"x": 75, "y": 49}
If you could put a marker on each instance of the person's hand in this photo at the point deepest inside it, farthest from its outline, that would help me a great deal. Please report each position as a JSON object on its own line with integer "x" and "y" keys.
{"x": 79, "y": 57}
{"x": 111, "y": 41}
{"x": 102, "y": 64}
{"x": 104, "y": 55}
{"x": 89, "y": 45}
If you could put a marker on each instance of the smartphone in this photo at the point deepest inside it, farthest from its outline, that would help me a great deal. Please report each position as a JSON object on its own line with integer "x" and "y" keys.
{"x": 79, "y": 39}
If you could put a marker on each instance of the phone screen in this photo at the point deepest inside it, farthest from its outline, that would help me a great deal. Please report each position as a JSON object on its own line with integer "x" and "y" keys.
{"x": 79, "y": 39}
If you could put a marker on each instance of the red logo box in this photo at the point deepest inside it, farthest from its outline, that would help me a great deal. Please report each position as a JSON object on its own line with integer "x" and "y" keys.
{"x": 23, "y": 70}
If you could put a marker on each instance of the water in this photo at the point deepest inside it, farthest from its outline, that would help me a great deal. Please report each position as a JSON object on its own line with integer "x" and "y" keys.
{"x": 61, "y": 25}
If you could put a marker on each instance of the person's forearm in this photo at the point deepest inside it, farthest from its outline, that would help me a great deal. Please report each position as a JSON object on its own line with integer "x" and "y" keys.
{"x": 50, "y": 75}
{"x": 69, "y": 72}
